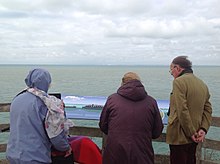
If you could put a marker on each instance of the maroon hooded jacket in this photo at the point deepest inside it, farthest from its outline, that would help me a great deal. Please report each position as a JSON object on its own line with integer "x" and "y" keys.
{"x": 131, "y": 119}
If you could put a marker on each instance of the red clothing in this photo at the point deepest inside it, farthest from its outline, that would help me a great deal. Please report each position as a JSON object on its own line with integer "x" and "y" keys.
{"x": 85, "y": 151}
{"x": 131, "y": 119}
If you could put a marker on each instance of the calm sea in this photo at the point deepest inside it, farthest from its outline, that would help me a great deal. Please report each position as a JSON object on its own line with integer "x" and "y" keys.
{"x": 103, "y": 81}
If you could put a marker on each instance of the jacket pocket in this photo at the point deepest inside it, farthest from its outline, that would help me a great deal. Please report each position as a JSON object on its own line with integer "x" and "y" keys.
{"x": 172, "y": 118}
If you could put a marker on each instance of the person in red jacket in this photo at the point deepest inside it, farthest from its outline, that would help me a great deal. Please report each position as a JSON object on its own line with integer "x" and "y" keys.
{"x": 130, "y": 119}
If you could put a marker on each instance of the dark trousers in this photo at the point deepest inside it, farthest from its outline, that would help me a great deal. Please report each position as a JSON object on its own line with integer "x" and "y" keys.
{"x": 183, "y": 154}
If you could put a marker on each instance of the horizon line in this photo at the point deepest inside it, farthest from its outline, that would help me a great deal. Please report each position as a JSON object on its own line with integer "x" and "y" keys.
{"x": 22, "y": 64}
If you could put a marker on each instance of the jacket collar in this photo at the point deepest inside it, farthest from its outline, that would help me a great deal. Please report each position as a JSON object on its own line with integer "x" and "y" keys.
{"x": 186, "y": 71}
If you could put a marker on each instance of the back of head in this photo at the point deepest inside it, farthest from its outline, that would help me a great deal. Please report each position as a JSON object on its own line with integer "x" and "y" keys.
{"x": 130, "y": 76}
{"x": 183, "y": 62}
{"x": 38, "y": 78}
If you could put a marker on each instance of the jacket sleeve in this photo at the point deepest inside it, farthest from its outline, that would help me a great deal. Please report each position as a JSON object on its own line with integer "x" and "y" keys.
{"x": 103, "y": 123}
{"x": 158, "y": 124}
{"x": 60, "y": 142}
{"x": 207, "y": 114}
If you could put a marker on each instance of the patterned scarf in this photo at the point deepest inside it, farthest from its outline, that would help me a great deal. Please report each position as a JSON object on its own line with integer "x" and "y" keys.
{"x": 55, "y": 121}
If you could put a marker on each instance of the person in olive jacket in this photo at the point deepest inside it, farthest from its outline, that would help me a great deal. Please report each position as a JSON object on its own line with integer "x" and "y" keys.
{"x": 190, "y": 112}
{"x": 130, "y": 119}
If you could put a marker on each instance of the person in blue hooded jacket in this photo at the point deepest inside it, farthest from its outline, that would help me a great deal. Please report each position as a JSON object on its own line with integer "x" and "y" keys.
{"x": 30, "y": 138}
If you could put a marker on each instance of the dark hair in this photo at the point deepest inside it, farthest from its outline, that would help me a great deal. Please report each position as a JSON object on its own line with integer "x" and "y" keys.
{"x": 183, "y": 62}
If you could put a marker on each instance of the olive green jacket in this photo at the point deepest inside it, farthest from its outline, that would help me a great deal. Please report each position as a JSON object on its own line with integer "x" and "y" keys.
{"x": 190, "y": 109}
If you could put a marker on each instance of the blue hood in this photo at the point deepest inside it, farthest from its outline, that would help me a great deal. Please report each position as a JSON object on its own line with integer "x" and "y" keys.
{"x": 38, "y": 78}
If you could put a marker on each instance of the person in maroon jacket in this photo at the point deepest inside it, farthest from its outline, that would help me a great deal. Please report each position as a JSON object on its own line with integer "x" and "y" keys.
{"x": 130, "y": 119}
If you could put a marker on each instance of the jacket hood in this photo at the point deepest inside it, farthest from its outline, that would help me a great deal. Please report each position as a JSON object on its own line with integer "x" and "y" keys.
{"x": 38, "y": 78}
{"x": 133, "y": 90}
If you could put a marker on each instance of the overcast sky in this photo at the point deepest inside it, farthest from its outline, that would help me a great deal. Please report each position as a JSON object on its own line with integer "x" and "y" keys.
{"x": 109, "y": 32}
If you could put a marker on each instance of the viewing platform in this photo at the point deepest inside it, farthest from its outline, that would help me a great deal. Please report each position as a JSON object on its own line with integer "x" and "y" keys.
{"x": 209, "y": 145}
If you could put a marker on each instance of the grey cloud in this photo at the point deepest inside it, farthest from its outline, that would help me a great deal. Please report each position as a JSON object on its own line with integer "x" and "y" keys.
{"x": 14, "y": 14}
{"x": 109, "y": 31}
{"x": 162, "y": 28}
